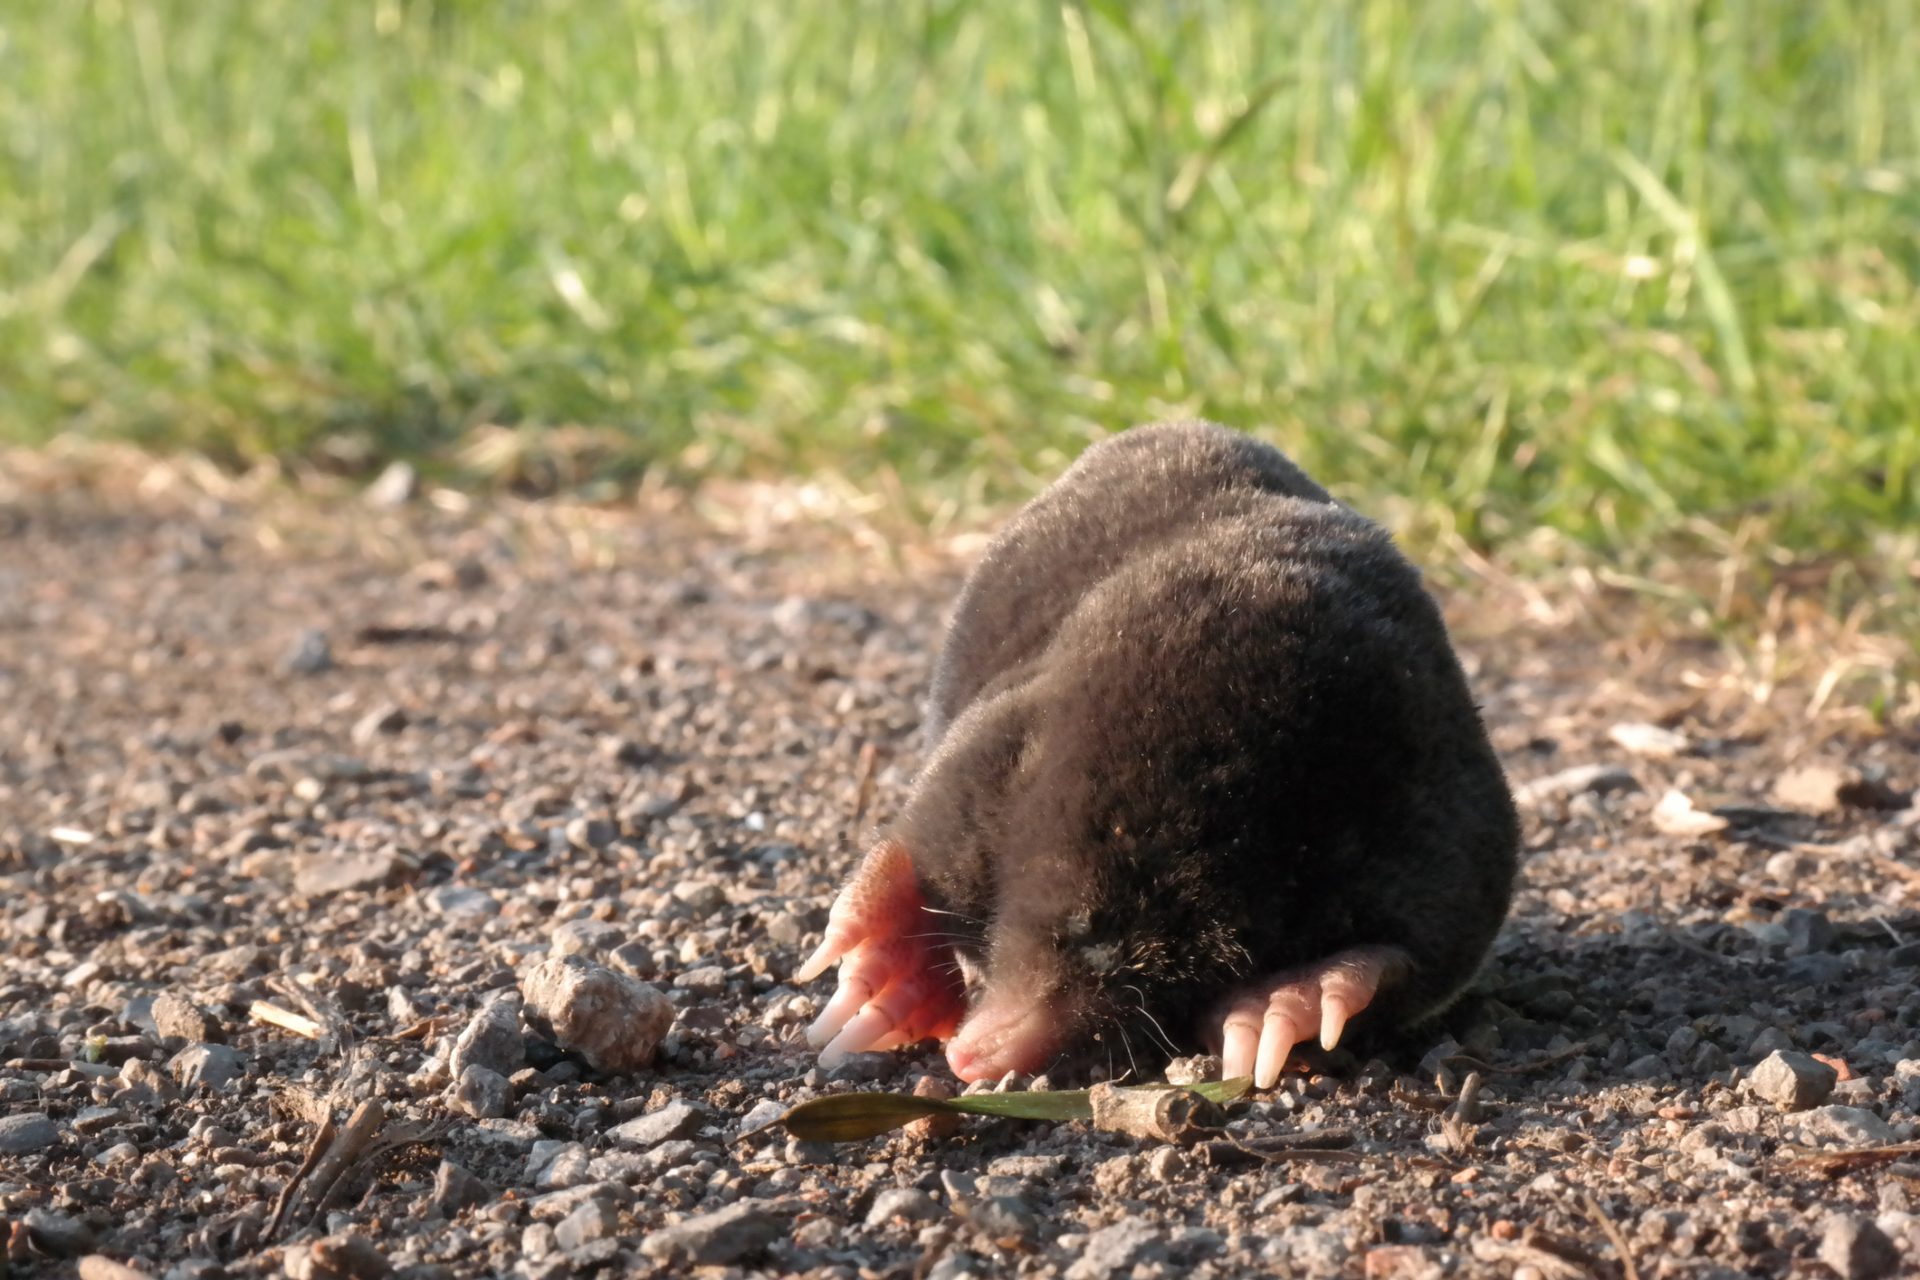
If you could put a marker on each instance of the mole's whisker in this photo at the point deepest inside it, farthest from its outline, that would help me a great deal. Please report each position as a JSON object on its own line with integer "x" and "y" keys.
{"x": 957, "y": 915}
{"x": 1165, "y": 1039}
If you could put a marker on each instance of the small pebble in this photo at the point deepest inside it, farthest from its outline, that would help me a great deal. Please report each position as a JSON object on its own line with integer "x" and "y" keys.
{"x": 1856, "y": 1249}
{"x": 677, "y": 1119}
{"x": 492, "y": 1038}
{"x": 904, "y": 1204}
{"x": 211, "y": 1066}
{"x": 593, "y": 1221}
{"x": 482, "y": 1093}
{"x": 614, "y": 1021}
{"x": 1005, "y": 1220}
{"x": 455, "y": 1189}
{"x": 309, "y": 655}
{"x": 1791, "y": 1080}
{"x": 27, "y": 1132}
{"x": 715, "y": 1239}
{"x": 1116, "y": 1250}
{"x": 60, "y": 1234}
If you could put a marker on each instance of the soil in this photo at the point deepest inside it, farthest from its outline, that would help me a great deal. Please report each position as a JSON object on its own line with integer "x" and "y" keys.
{"x": 288, "y": 800}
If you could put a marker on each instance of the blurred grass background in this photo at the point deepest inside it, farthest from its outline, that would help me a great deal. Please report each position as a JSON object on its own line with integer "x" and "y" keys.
{"x": 1627, "y": 271}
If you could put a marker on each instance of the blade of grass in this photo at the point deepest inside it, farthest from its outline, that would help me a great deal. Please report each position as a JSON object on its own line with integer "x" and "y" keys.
{"x": 850, "y": 1117}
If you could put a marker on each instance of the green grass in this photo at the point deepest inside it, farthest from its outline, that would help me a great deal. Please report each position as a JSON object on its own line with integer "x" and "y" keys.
{"x": 1616, "y": 269}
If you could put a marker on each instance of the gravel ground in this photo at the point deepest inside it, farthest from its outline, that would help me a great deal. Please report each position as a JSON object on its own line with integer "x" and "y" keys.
{"x": 299, "y": 815}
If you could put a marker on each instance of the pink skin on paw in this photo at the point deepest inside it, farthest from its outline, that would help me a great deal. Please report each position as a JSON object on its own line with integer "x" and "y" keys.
{"x": 896, "y": 987}
{"x": 1264, "y": 1022}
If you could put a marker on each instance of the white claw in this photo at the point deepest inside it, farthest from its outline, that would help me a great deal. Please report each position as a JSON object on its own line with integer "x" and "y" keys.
{"x": 1277, "y": 1039}
{"x": 1333, "y": 1021}
{"x": 822, "y": 958}
{"x": 1238, "y": 1044}
{"x": 848, "y": 998}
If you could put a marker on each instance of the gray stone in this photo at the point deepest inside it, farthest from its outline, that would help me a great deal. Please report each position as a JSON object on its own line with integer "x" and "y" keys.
{"x": 59, "y": 1234}
{"x": 706, "y": 980}
{"x": 383, "y": 719}
{"x": 117, "y": 1154}
{"x": 482, "y": 1093}
{"x": 1311, "y": 1250}
{"x": 455, "y": 1189}
{"x": 341, "y": 1257}
{"x": 552, "y": 1206}
{"x": 587, "y": 834}
{"x": 213, "y": 1066}
{"x": 614, "y": 1021}
{"x": 309, "y": 655}
{"x": 563, "y": 1165}
{"x": 765, "y": 1113}
{"x": 177, "y": 1018}
{"x": 1586, "y": 779}
{"x": 1006, "y": 1220}
{"x": 492, "y": 1038}
{"x": 715, "y": 1239}
{"x": 700, "y": 897}
{"x": 1791, "y": 1080}
{"x": 1807, "y": 931}
{"x": 958, "y": 1264}
{"x": 958, "y": 1185}
{"x": 1116, "y": 1250}
{"x": 593, "y": 1221}
{"x": 1769, "y": 1039}
{"x": 538, "y": 1240}
{"x": 677, "y": 1119}
{"x": 92, "y": 1120}
{"x": 1838, "y": 1126}
{"x": 322, "y": 874}
{"x": 26, "y": 1133}
{"x": 590, "y": 938}
{"x": 907, "y": 1204}
{"x": 1815, "y": 970}
{"x": 460, "y": 903}
{"x": 1647, "y": 1067}
{"x": 1857, "y": 1249}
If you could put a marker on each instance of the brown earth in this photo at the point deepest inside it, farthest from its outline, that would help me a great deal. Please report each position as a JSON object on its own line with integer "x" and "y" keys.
{"x": 360, "y": 765}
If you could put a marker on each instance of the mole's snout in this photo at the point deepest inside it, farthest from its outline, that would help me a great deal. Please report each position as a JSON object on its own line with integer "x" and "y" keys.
{"x": 1008, "y": 1030}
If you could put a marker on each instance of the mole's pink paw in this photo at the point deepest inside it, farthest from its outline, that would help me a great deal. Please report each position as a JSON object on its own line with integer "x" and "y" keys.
{"x": 1265, "y": 1021}
{"x": 896, "y": 985}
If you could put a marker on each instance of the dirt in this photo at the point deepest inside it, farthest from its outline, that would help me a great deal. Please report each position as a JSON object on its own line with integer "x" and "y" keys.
{"x": 289, "y": 802}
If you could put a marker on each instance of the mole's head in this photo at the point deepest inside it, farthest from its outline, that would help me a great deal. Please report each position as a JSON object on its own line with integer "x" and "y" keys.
{"x": 1110, "y": 963}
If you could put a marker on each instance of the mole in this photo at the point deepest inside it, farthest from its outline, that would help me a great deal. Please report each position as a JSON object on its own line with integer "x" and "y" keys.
{"x": 1205, "y": 773}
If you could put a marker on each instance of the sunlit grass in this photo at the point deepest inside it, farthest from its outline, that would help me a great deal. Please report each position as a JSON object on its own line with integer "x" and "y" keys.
{"x": 1609, "y": 269}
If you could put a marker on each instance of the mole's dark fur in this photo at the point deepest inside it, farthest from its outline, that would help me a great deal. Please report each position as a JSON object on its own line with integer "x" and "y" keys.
{"x": 1195, "y": 723}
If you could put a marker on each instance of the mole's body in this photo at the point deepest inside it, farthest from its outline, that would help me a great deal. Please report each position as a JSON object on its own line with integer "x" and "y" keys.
{"x": 1206, "y": 769}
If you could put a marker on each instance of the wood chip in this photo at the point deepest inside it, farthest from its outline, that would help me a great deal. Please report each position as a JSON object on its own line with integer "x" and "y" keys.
{"x": 285, "y": 1019}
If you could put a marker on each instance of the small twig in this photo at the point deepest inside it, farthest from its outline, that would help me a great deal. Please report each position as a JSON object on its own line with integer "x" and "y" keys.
{"x": 1467, "y": 1107}
{"x": 322, "y": 1139}
{"x": 1832, "y": 1161}
{"x": 285, "y": 1019}
{"x": 1472, "y": 1063}
{"x": 425, "y": 1027}
{"x": 346, "y": 1150}
{"x": 1613, "y": 1233}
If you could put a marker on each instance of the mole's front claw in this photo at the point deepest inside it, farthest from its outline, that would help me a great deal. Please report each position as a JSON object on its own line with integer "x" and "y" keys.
{"x": 1262, "y": 1023}
{"x": 894, "y": 988}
